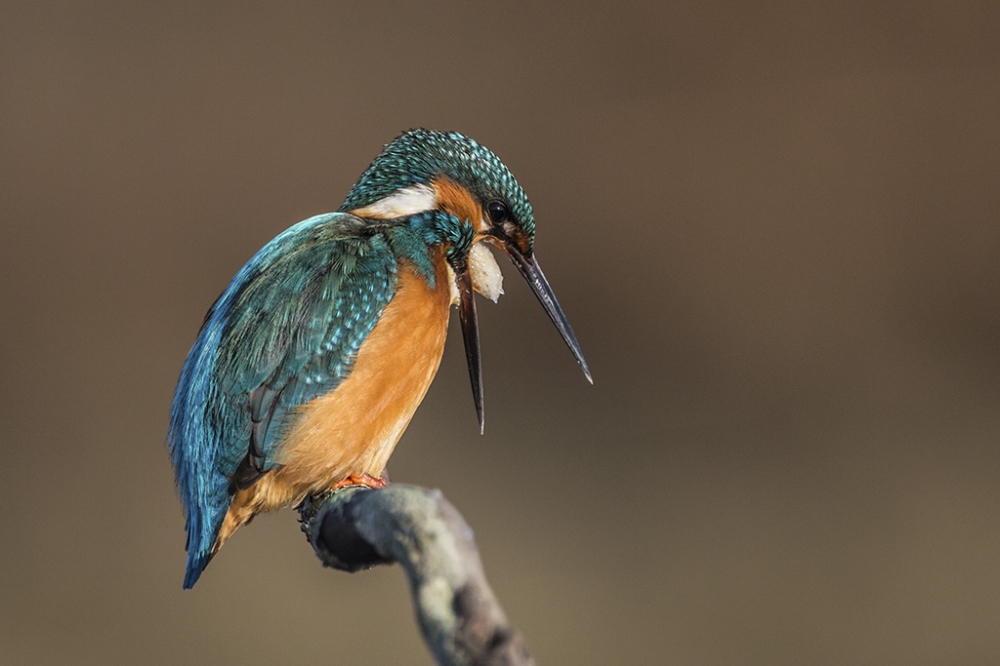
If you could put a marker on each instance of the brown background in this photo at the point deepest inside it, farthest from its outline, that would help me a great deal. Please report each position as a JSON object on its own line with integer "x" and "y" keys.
{"x": 775, "y": 229}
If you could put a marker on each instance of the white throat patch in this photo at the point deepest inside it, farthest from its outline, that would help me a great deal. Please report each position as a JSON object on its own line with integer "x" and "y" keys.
{"x": 486, "y": 276}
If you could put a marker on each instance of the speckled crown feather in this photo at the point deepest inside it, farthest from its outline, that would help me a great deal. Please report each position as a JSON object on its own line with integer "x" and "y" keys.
{"x": 418, "y": 155}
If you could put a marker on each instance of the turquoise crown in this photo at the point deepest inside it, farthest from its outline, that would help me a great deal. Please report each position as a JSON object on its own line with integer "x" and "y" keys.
{"x": 418, "y": 155}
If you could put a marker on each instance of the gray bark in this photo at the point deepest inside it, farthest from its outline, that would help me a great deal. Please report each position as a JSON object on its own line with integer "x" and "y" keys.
{"x": 357, "y": 528}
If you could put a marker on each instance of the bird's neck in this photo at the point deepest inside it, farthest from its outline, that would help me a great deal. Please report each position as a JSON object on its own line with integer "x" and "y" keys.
{"x": 419, "y": 239}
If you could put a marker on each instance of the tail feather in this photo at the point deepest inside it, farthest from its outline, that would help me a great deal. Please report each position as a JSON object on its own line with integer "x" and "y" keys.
{"x": 202, "y": 543}
{"x": 196, "y": 563}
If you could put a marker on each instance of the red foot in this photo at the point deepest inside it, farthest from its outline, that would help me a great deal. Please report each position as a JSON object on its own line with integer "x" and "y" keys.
{"x": 363, "y": 479}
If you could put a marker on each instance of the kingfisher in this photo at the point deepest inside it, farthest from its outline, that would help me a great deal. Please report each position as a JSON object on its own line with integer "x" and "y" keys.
{"x": 310, "y": 365}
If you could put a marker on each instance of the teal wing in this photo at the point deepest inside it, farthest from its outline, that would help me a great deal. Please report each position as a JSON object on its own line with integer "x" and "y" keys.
{"x": 286, "y": 330}
{"x": 293, "y": 333}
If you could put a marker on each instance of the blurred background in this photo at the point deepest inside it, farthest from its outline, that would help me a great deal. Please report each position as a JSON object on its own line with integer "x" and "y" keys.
{"x": 775, "y": 229}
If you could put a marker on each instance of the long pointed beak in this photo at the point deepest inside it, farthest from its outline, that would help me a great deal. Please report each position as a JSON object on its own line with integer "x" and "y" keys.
{"x": 470, "y": 334}
{"x": 532, "y": 274}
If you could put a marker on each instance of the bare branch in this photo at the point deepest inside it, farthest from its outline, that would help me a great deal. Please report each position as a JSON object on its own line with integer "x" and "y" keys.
{"x": 357, "y": 528}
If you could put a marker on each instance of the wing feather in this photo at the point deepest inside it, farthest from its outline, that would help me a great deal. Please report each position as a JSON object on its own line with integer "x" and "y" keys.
{"x": 285, "y": 331}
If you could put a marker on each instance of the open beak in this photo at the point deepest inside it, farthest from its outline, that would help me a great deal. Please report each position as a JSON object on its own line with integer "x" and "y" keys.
{"x": 532, "y": 273}
{"x": 470, "y": 334}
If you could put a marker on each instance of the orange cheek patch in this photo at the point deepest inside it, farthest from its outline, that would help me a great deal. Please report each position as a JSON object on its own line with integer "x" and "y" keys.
{"x": 455, "y": 199}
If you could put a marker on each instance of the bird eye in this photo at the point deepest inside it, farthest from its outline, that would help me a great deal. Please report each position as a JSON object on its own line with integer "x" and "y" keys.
{"x": 497, "y": 210}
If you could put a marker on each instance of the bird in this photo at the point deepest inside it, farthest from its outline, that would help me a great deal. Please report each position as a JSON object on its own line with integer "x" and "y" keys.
{"x": 310, "y": 364}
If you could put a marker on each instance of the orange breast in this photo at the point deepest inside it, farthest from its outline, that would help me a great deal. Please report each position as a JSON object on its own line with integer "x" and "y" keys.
{"x": 355, "y": 428}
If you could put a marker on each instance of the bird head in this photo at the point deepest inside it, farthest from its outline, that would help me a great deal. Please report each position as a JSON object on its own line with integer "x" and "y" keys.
{"x": 424, "y": 170}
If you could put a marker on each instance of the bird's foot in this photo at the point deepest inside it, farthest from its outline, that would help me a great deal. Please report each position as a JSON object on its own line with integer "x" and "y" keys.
{"x": 362, "y": 479}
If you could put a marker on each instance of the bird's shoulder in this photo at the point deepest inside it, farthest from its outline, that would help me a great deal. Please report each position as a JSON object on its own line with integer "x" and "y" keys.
{"x": 314, "y": 290}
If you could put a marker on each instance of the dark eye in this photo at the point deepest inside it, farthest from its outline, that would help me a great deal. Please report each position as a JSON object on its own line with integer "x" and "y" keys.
{"x": 497, "y": 210}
